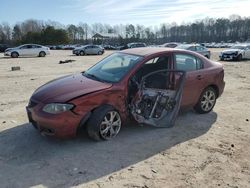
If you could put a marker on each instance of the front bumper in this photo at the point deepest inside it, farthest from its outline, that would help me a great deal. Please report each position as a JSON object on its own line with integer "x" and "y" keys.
{"x": 63, "y": 125}
{"x": 7, "y": 53}
{"x": 228, "y": 56}
{"x": 76, "y": 52}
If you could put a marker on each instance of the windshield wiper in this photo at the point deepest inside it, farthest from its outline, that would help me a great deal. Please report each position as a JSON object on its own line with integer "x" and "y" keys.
{"x": 94, "y": 77}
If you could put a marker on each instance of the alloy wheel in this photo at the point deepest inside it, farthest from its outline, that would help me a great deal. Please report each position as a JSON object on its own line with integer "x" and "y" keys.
{"x": 208, "y": 100}
{"x": 110, "y": 125}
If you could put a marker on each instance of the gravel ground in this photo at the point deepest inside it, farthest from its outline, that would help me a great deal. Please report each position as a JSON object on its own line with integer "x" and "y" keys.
{"x": 210, "y": 150}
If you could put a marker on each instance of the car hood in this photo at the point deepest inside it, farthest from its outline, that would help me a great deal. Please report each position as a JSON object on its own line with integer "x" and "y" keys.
{"x": 8, "y": 49}
{"x": 231, "y": 50}
{"x": 68, "y": 87}
{"x": 78, "y": 48}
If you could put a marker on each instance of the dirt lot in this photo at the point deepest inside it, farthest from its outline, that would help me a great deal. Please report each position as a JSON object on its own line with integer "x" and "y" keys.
{"x": 209, "y": 150}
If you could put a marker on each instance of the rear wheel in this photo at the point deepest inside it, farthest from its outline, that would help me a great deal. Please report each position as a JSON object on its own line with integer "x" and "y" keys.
{"x": 14, "y": 55}
{"x": 207, "y": 101}
{"x": 42, "y": 54}
{"x": 99, "y": 53}
{"x": 104, "y": 123}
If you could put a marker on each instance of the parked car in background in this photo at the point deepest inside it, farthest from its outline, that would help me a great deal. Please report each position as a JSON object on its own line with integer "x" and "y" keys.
{"x": 136, "y": 45}
{"x": 133, "y": 45}
{"x": 3, "y": 47}
{"x": 236, "y": 52}
{"x": 109, "y": 47}
{"x": 27, "y": 50}
{"x": 88, "y": 50}
{"x": 69, "y": 47}
{"x": 195, "y": 48}
{"x": 169, "y": 45}
{"x": 141, "y": 83}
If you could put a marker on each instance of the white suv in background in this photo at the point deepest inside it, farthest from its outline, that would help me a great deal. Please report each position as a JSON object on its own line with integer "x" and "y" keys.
{"x": 27, "y": 50}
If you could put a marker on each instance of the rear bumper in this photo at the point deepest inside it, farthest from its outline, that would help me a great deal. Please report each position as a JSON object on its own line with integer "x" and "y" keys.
{"x": 221, "y": 89}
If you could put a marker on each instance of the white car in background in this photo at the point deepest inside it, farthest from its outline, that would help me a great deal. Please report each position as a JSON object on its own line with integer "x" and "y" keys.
{"x": 236, "y": 52}
{"x": 27, "y": 50}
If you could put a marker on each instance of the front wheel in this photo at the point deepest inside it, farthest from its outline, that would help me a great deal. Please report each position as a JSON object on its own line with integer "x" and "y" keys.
{"x": 14, "y": 55}
{"x": 104, "y": 123}
{"x": 239, "y": 58}
{"x": 82, "y": 53}
{"x": 207, "y": 101}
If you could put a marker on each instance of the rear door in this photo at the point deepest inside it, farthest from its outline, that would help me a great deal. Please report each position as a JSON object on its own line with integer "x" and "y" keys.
{"x": 96, "y": 49}
{"x": 36, "y": 50}
{"x": 29, "y": 50}
{"x": 195, "y": 77}
{"x": 88, "y": 50}
{"x": 200, "y": 50}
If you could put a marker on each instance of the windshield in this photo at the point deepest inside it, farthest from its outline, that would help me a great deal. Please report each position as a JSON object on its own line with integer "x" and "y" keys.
{"x": 238, "y": 47}
{"x": 113, "y": 68}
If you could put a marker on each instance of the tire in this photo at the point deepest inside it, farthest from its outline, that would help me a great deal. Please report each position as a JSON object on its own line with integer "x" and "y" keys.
{"x": 14, "y": 55}
{"x": 239, "y": 58}
{"x": 42, "y": 54}
{"x": 104, "y": 123}
{"x": 82, "y": 53}
{"x": 206, "y": 101}
{"x": 99, "y": 53}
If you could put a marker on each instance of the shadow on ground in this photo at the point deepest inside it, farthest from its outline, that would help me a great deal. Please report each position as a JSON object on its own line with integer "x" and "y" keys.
{"x": 28, "y": 159}
{"x": 20, "y": 57}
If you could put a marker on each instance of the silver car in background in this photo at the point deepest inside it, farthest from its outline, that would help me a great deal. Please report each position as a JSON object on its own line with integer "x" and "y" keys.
{"x": 88, "y": 50}
{"x": 195, "y": 48}
{"x": 236, "y": 52}
{"x": 27, "y": 50}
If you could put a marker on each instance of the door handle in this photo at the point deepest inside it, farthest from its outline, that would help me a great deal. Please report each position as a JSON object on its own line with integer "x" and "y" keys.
{"x": 199, "y": 77}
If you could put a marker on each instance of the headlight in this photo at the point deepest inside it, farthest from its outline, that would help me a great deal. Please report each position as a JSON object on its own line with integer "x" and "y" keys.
{"x": 56, "y": 108}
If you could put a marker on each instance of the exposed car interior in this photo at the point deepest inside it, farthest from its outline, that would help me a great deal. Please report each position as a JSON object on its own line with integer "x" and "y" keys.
{"x": 158, "y": 106}
{"x": 154, "y": 79}
{"x": 155, "y": 64}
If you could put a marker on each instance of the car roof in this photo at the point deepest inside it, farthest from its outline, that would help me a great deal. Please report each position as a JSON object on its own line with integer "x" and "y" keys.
{"x": 30, "y": 44}
{"x": 147, "y": 51}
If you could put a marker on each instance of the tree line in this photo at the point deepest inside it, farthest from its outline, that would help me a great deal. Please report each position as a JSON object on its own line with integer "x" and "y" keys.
{"x": 234, "y": 28}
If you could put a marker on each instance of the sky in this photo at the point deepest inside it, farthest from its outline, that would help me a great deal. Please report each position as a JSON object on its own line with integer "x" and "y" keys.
{"x": 145, "y": 12}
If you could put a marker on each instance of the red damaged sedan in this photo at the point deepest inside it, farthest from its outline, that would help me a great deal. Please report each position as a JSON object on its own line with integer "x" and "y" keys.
{"x": 149, "y": 85}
